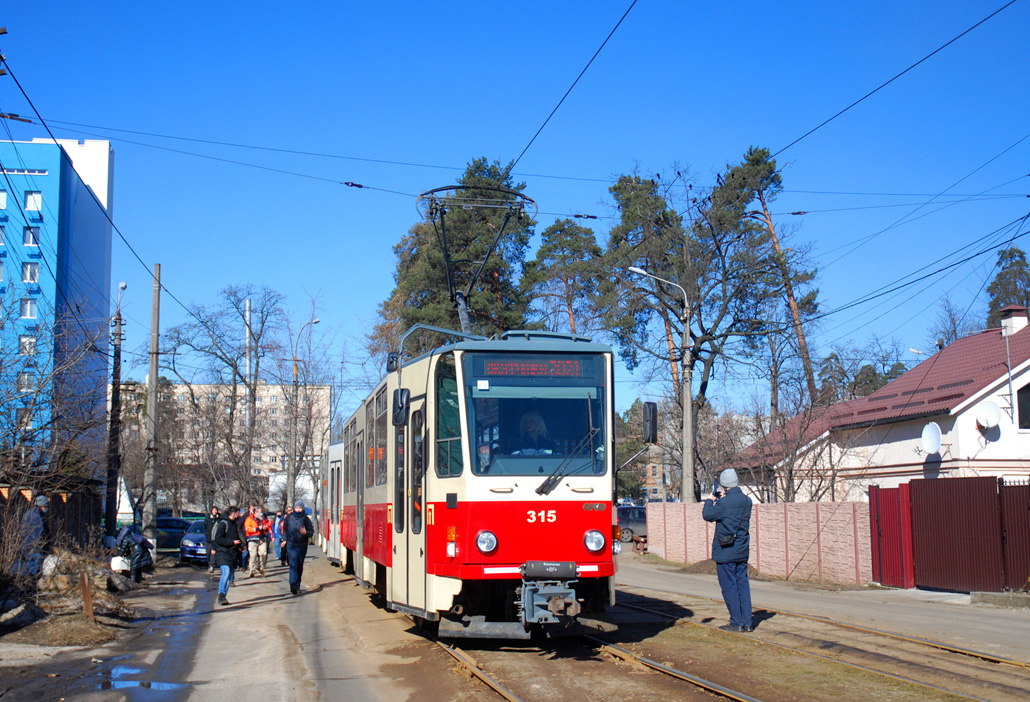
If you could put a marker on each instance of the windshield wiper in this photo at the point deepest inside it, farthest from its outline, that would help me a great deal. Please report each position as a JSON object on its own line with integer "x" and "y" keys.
{"x": 554, "y": 479}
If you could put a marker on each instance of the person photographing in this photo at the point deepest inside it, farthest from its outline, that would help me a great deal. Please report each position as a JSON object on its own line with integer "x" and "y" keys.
{"x": 731, "y": 547}
{"x": 297, "y": 529}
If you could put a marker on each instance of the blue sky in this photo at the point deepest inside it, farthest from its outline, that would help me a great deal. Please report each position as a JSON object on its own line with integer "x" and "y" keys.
{"x": 441, "y": 84}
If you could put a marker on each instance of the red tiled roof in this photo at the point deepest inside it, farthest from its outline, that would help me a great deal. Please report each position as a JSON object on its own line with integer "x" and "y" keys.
{"x": 798, "y": 432}
{"x": 940, "y": 383}
{"x": 935, "y": 386}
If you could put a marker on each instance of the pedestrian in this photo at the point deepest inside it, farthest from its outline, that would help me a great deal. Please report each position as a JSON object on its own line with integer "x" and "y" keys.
{"x": 297, "y": 529}
{"x": 241, "y": 529}
{"x": 267, "y": 542}
{"x": 227, "y": 548}
{"x": 257, "y": 541}
{"x": 209, "y": 524}
{"x": 35, "y": 536}
{"x": 730, "y": 547}
{"x": 277, "y": 537}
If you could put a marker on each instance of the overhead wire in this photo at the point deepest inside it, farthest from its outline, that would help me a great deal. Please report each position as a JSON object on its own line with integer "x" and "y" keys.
{"x": 899, "y": 75}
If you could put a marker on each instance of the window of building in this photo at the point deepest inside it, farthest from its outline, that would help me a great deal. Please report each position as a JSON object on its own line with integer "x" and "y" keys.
{"x": 274, "y": 410}
{"x": 3, "y": 199}
{"x": 1023, "y": 406}
{"x": 27, "y": 345}
{"x": 1, "y": 271}
{"x": 26, "y": 382}
{"x": 257, "y": 399}
{"x": 2, "y": 232}
{"x": 212, "y": 397}
{"x": 273, "y": 398}
{"x": 180, "y": 398}
{"x": 654, "y": 471}
{"x": 30, "y": 272}
{"x": 31, "y": 236}
{"x": 33, "y": 201}
{"x": 23, "y": 418}
{"x": 28, "y": 308}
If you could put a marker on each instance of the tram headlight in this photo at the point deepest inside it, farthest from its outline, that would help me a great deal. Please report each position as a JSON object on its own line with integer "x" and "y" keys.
{"x": 594, "y": 541}
{"x": 486, "y": 542}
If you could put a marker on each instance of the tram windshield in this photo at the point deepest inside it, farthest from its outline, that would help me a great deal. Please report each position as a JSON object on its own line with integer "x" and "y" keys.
{"x": 533, "y": 414}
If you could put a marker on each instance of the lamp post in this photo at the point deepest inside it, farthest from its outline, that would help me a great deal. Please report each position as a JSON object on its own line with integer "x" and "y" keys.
{"x": 291, "y": 469}
{"x": 687, "y": 479}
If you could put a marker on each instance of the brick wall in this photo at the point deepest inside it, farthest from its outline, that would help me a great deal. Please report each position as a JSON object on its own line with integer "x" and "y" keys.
{"x": 811, "y": 541}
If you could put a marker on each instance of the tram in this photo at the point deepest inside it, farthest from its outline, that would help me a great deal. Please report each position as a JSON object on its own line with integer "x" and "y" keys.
{"x": 474, "y": 486}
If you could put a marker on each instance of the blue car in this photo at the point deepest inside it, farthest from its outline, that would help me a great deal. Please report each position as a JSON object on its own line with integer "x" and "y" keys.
{"x": 193, "y": 546}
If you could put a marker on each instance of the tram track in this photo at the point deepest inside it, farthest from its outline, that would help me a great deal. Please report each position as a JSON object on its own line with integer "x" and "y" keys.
{"x": 970, "y": 671}
{"x": 600, "y": 647}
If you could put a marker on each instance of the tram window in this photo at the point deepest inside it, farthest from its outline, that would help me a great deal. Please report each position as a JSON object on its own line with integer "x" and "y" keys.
{"x": 417, "y": 464}
{"x": 398, "y": 481}
{"x": 370, "y": 425}
{"x": 380, "y": 443}
{"x": 448, "y": 423}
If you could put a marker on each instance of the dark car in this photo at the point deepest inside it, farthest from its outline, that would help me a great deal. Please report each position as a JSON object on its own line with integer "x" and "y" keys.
{"x": 170, "y": 531}
{"x": 633, "y": 522}
{"x": 193, "y": 545}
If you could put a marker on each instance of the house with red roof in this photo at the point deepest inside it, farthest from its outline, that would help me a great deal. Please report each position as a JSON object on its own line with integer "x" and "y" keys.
{"x": 963, "y": 412}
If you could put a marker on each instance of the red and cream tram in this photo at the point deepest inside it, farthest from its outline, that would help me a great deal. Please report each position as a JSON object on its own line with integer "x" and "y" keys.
{"x": 474, "y": 486}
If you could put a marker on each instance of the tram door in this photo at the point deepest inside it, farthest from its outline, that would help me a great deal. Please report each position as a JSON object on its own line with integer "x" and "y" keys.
{"x": 359, "y": 514}
{"x": 415, "y": 527}
{"x": 334, "y": 509}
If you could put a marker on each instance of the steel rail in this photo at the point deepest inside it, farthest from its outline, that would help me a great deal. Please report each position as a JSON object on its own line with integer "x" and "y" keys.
{"x": 626, "y": 654}
{"x": 473, "y": 667}
{"x": 989, "y": 657}
{"x": 857, "y": 666}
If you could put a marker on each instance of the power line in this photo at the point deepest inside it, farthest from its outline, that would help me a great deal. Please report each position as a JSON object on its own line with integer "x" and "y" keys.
{"x": 884, "y": 85}
{"x": 617, "y": 24}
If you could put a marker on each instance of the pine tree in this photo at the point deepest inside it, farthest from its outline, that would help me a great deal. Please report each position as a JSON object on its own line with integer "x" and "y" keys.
{"x": 561, "y": 280}
{"x": 1011, "y": 286}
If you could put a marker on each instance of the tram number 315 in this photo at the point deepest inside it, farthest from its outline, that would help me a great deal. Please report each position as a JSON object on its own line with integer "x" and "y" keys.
{"x": 544, "y": 515}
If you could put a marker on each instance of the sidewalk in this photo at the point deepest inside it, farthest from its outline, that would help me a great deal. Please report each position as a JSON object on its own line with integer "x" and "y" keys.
{"x": 942, "y": 616}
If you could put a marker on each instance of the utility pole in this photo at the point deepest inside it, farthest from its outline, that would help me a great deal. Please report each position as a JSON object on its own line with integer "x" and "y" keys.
{"x": 686, "y": 391}
{"x": 150, "y": 464}
{"x": 291, "y": 474}
{"x": 114, "y": 455}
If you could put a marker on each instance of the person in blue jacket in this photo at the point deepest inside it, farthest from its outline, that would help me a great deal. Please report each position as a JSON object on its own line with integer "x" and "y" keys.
{"x": 730, "y": 548}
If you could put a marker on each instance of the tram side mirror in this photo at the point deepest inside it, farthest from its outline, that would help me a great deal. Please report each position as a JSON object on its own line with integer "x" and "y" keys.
{"x": 392, "y": 361}
{"x": 650, "y": 423}
{"x": 401, "y": 406}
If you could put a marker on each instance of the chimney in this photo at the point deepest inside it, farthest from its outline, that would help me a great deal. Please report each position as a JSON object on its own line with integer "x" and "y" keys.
{"x": 1013, "y": 318}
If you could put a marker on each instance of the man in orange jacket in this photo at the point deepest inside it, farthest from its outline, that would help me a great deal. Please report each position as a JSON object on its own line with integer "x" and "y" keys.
{"x": 257, "y": 541}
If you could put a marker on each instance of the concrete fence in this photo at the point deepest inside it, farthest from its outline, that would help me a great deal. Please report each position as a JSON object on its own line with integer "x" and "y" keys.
{"x": 808, "y": 541}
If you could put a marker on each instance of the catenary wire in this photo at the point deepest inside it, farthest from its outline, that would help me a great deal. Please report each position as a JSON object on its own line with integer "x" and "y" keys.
{"x": 884, "y": 85}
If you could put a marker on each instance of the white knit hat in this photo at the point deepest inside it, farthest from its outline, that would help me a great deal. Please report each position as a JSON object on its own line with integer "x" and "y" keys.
{"x": 728, "y": 478}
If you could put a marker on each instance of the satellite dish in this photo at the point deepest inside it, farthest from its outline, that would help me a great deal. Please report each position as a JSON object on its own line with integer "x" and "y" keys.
{"x": 988, "y": 415}
{"x": 931, "y": 438}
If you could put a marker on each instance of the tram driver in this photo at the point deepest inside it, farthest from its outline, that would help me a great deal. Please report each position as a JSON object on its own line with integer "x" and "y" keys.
{"x": 533, "y": 437}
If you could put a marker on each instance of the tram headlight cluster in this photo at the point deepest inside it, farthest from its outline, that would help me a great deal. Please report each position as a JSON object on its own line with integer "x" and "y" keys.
{"x": 486, "y": 542}
{"x": 594, "y": 541}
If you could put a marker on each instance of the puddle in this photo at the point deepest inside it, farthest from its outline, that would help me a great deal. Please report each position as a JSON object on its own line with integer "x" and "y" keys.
{"x": 144, "y": 684}
{"x": 114, "y": 680}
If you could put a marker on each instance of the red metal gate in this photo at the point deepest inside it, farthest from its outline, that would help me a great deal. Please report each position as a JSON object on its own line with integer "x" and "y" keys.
{"x": 1015, "y": 507}
{"x": 956, "y": 529}
{"x": 891, "y": 517}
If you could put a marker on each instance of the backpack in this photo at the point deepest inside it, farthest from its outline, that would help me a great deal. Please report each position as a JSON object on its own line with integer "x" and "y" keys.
{"x": 214, "y": 530}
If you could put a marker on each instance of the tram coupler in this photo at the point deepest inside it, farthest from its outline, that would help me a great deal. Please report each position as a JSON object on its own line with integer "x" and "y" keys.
{"x": 547, "y": 595}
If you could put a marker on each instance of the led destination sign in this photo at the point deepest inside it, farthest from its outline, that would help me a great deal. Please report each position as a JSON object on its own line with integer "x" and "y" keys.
{"x": 551, "y": 368}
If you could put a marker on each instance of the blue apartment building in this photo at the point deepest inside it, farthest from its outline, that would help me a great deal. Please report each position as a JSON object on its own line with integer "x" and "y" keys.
{"x": 55, "y": 280}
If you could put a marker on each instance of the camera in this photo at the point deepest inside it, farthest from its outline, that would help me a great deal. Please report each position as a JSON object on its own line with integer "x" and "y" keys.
{"x": 715, "y": 489}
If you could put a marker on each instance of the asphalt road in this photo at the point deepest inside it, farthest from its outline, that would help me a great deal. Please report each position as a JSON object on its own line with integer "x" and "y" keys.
{"x": 946, "y": 617}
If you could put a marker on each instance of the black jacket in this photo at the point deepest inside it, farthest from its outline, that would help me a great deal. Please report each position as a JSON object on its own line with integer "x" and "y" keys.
{"x": 291, "y": 529}
{"x": 226, "y": 551}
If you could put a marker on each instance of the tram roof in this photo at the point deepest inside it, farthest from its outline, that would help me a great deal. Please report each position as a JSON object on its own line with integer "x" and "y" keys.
{"x": 524, "y": 340}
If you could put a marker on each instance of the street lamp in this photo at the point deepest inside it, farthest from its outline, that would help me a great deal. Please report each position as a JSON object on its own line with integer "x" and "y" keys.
{"x": 687, "y": 479}
{"x": 291, "y": 472}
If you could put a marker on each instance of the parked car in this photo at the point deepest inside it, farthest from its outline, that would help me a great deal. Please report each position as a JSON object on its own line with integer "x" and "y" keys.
{"x": 170, "y": 531}
{"x": 633, "y": 522}
{"x": 193, "y": 545}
